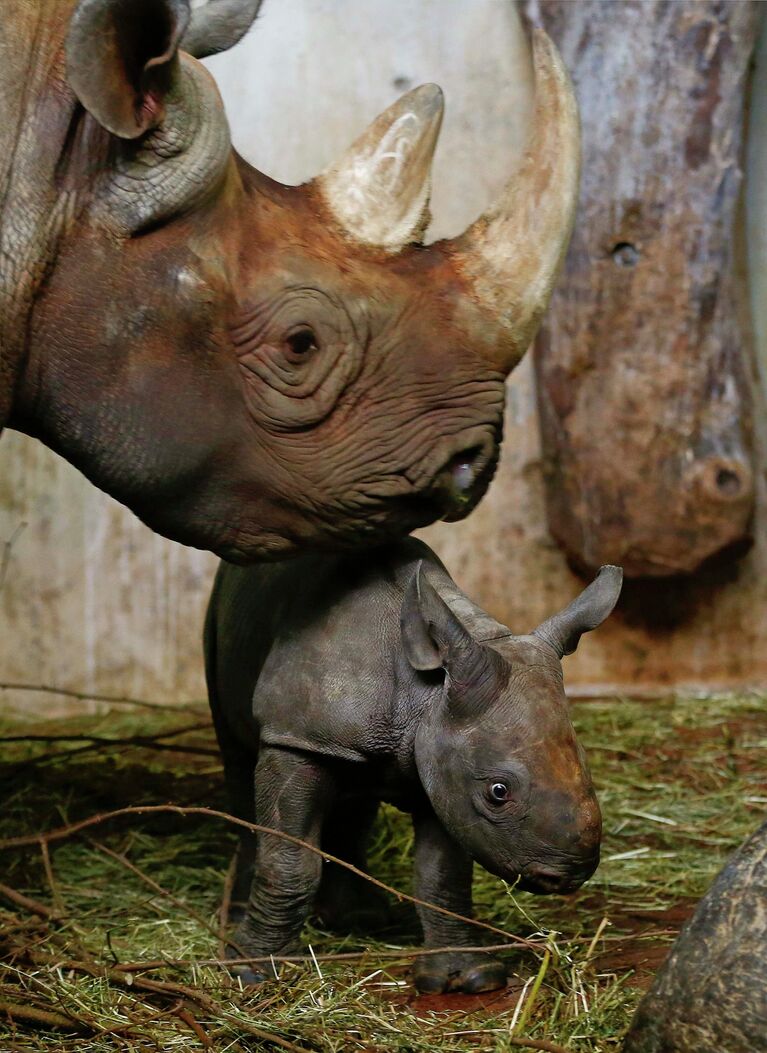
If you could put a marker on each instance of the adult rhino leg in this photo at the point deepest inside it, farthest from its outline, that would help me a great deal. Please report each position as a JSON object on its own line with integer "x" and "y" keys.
{"x": 346, "y": 902}
{"x": 443, "y": 873}
{"x": 293, "y": 792}
{"x": 239, "y": 769}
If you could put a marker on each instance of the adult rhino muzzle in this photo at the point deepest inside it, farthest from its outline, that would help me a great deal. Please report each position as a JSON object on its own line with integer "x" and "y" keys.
{"x": 256, "y": 368}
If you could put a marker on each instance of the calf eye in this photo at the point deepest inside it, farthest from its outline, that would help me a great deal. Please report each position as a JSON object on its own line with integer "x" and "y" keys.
{"x": 301, "y": 344}
{"x": 498, "y": 792}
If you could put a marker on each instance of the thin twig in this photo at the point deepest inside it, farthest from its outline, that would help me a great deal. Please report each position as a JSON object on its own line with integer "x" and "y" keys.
{"x": 115, "y": 700}
{"x": 63, "y": 832}
{"x": 226, "y": 903}
{"x": 404, "y": 953}
{"x": 128, "y": 740}
{"x": 94, "y": 743}
{"x": 124, "y": 861}
{"x": 55, "y": 894}
{"x": 192, "y": 994}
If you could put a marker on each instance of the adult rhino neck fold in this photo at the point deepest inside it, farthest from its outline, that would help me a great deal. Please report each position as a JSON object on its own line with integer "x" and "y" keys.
{"x": 33, "y": 209}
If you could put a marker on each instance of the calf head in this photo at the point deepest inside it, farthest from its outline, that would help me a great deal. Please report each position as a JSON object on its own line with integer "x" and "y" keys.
{"x": 497, "y": 753}
{"x": 255, "y": 368}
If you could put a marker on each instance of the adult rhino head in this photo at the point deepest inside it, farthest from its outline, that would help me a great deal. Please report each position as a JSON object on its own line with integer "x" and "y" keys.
{"x": 253, "y": 367}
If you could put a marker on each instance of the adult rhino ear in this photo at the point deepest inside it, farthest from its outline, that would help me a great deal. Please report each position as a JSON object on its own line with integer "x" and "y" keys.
{"x": 432, "y": 636}
{"x": 586, "y": 612}
{"x": 122, "y": 58}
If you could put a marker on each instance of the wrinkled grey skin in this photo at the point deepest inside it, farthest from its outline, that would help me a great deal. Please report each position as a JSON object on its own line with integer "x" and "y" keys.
{"x": 710, "y": 995}
{"x": 346, "y": 681}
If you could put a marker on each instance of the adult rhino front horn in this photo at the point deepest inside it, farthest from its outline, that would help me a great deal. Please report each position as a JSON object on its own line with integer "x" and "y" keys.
{"x": 251, "y": 367}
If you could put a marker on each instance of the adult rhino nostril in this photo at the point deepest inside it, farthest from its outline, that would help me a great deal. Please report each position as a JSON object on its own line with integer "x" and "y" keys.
{"x": 462, "y": 472}
{"x": 463, "y": 479}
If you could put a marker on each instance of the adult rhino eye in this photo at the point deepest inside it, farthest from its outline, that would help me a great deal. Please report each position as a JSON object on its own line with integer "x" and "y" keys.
{"x": 498, "y": 792}
{"x": 301, "y": 344}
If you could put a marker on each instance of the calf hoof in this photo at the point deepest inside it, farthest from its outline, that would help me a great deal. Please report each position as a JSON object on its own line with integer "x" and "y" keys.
{"x": 249, "y": 977}
{"x": 347, "y": 903}
{"x": 466, "y": 973}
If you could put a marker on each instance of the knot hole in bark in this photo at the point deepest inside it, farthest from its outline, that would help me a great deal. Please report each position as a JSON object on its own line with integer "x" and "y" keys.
{"x": 625, "y": 254}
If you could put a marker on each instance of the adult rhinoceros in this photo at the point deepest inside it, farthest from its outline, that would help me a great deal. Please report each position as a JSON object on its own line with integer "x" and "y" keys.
{"x": 251, "y": 367}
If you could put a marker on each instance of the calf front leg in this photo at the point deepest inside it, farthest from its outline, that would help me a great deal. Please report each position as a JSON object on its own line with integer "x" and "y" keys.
{"x": 292, "y": 792}
{"x": 443, "y": 873}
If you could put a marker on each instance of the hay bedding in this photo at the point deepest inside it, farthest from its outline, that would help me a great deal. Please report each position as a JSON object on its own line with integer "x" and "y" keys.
{"x": 110, "y": 933}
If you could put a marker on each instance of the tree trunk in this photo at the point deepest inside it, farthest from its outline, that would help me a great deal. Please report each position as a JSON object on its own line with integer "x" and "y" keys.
{"x": 644, "y": 361}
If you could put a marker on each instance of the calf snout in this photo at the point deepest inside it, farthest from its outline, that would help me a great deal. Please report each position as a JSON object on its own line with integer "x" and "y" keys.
{"x": 569, "y": 850}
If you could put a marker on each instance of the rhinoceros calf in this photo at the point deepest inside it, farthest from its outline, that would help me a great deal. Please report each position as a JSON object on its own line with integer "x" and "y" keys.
{"x": 342, "y": 682}
{"x": 253, "y": 368}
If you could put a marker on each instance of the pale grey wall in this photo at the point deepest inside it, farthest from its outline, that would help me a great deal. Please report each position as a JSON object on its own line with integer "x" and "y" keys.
{"x": 93, "y": 601}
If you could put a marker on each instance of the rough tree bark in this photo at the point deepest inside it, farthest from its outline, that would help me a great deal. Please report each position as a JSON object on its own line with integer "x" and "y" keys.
{"x": 710, "y": 996}
{"x": 644, "y": 362}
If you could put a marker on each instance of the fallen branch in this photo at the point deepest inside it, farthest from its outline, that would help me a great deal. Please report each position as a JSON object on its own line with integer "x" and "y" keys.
{"x": 204, "y": 1001}
{"x": 536, "y": 1043}
{"x": 28, "y": 1014}
{"x": 63, "y": 832}
{"x": 27, "y": 903}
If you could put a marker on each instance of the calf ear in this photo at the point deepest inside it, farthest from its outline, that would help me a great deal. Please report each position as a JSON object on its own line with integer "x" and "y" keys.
{"x": 218, "y": 26}
{"x": 121, "y": 59}
{"x": 432, "y": 636}
{"x": 587, "y": 611}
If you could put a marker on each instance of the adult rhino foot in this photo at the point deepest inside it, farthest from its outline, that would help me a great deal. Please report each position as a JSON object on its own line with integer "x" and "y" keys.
{"x": 347, "y": 903}
{"x": 469, "y": 973}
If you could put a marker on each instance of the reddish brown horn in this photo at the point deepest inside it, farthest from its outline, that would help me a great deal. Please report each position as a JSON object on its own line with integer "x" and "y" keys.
{"x": 511, "y": 256}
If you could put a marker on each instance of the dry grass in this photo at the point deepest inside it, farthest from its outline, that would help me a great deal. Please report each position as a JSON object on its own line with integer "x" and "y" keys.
{"x": 680, "y": 785}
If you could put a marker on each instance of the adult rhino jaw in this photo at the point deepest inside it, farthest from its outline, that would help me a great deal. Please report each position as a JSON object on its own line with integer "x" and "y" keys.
{"x": 255, "y": 368}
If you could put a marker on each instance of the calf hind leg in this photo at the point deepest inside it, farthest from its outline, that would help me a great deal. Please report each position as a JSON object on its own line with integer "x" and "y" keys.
{"x": 345, "y": 902}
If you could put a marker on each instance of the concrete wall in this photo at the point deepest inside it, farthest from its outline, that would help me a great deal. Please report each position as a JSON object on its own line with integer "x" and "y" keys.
{"x": 92, "y": 601}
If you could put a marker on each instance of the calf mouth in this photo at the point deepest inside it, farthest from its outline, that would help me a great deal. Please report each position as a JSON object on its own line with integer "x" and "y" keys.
{"x": 548, "y": 881}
